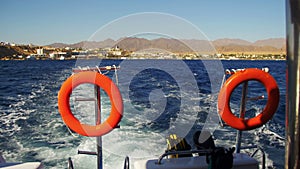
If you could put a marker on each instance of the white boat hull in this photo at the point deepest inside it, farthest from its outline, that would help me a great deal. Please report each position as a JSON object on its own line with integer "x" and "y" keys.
{"x": 240, "y": 161}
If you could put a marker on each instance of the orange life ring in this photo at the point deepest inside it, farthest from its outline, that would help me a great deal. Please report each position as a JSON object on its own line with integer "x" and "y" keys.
{"x": 108, "y": 86}
{"x": 238, "y": 78}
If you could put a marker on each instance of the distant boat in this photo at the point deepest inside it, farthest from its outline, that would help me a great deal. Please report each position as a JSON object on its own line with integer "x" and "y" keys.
{"x": 62, "y": 58}
{"x": 31, "y": 57}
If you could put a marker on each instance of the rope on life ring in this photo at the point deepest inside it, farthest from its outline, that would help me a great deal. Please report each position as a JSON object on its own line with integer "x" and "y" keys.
{"x": 238, "y": 78}
{"x": 101, "y": 81}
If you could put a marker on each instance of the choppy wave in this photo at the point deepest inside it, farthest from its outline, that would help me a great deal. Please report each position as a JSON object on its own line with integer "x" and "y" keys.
{"x": 31, "y": 128}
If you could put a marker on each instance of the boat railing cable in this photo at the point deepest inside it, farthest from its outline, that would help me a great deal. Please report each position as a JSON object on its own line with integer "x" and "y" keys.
{"x": 220, "y": 119}
{"x": 98, "y": 69}
{"x": 71, "y": 132}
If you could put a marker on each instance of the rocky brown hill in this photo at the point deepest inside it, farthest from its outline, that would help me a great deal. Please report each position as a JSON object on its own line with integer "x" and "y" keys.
{"x": 9, "y": 51}
{"x": 86, "y": 44}
{"x": 274, "y": 42}
{"x": 273, "y": 45}
{"x": 266, "y": 46}
{"x": 231, "y": 42}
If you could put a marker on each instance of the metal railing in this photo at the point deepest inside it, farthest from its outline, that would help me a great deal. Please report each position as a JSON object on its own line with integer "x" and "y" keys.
{"x": 244, "y": 99}
{"x": 97, "y": 99}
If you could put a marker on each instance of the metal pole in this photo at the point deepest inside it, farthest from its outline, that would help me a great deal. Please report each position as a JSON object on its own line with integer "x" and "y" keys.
{"x": 242, "y": 115}
{"x": 292, "y": 149}
{"x": 98, "y": 121}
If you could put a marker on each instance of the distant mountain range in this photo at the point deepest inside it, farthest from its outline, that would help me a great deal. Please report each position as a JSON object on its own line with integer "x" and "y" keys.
{"x": 273, "y": 45}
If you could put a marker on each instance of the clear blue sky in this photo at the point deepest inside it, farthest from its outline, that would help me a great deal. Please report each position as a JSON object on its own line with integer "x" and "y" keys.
{"x": 69, "y": 21}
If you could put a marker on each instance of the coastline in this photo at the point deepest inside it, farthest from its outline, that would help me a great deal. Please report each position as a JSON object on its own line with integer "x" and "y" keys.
{"x": 119, "y": 58}
{"x": 30, "y": 52}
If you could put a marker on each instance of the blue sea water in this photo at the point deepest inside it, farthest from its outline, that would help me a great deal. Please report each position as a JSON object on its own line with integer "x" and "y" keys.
{"x": 160, "y": 97}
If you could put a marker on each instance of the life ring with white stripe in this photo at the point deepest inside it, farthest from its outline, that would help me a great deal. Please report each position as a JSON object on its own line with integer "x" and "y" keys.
{"x": 101, "y": 81}
{"x": 238, "y": 78}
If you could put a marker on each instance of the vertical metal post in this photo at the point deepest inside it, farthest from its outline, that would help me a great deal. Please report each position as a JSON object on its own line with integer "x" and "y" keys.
{"x": 292, "y": 143}
{"x": 242, "y": 115}
{"x": 98, "y": 121}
